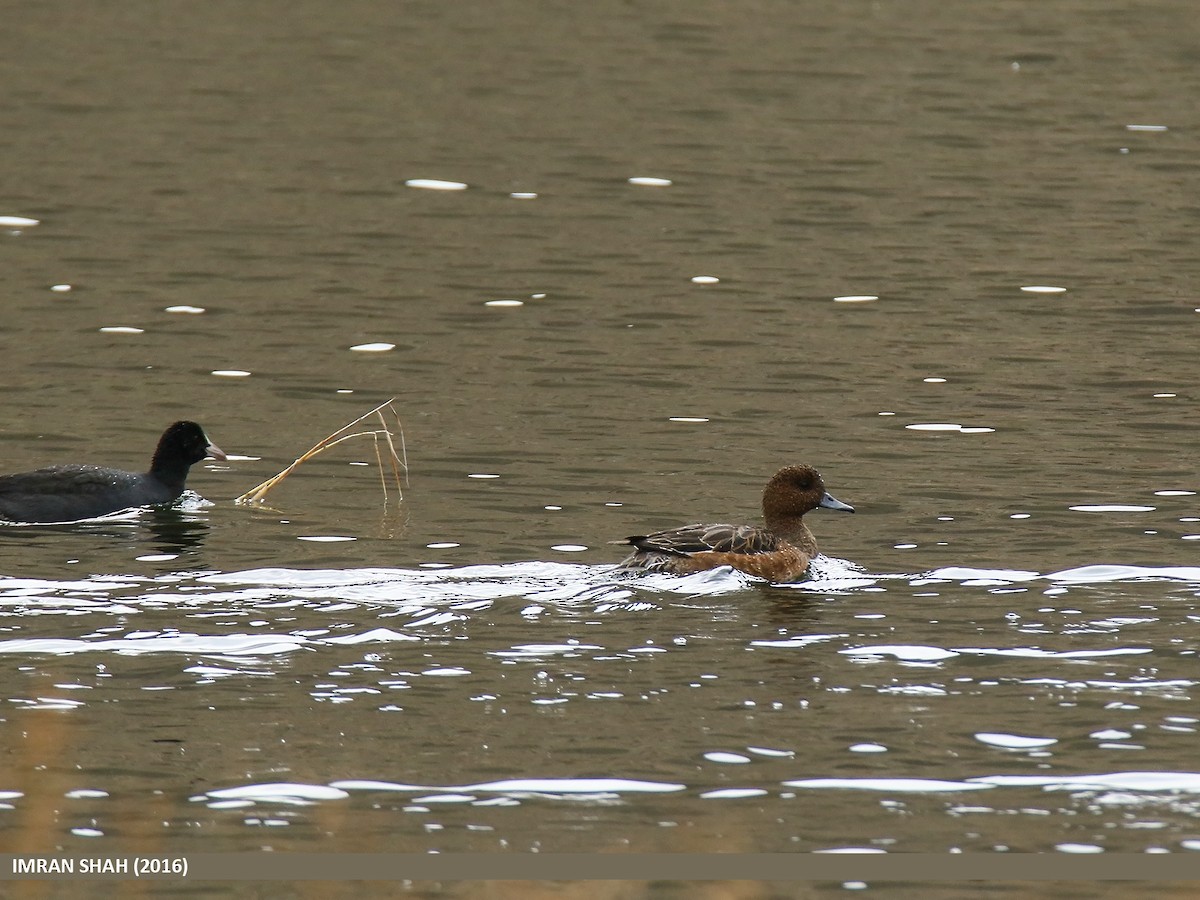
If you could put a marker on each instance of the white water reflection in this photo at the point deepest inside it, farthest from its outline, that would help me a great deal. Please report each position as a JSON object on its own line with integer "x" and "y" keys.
{"x": 436, "y": 184}
{"x": 1090, "y": 574}
{"x": 218, "y": 645}
{"x": 579, "y": 789}
{"x": 890, "y": 785}
{"x": 518, "y": 787}
{"x": 429, "y": 599}
{"x": 1015, "y": 741}
{"x": 1148, "y": 782}
{"x": 917, "y": 654}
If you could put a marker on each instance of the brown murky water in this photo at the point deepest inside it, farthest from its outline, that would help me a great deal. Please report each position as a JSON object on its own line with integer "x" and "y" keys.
{"x": 998, "y": 652}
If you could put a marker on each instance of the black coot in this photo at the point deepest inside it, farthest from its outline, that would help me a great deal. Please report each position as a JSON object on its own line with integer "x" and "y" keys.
{"x": 72, "y": 492}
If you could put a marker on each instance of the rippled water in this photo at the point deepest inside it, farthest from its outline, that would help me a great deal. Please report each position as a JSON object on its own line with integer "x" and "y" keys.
{"x": 444, "y": 707}
{"x": 617, "y": 264}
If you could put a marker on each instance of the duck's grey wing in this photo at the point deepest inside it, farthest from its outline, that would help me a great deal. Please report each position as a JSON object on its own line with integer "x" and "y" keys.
{"x": 707, "y": 538}
{"x": 57, "y": 479}
{"x": 65, "y": 493}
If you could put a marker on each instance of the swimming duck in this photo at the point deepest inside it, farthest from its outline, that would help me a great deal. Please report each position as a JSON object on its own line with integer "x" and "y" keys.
{"x": 780, "y": 551}
{"x": 69, "y": 493}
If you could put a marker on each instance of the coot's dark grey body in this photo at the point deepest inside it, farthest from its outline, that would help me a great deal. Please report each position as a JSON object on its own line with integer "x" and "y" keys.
{"x": 73, "y": 492}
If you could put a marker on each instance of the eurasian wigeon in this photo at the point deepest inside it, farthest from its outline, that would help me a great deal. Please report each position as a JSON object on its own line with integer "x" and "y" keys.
{"x": 780, "y": 551}
{"x": 73, "y": 492}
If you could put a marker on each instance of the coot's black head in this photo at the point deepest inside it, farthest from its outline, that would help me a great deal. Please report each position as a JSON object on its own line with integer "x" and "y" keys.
{"x": 181, "y": 445}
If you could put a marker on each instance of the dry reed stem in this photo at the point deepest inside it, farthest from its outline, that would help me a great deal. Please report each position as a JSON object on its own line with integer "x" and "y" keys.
{"x": 397, "y": 460}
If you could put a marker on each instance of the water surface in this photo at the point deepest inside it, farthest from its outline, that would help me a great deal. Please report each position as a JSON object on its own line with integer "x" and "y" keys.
{"x": 235, "y": 222}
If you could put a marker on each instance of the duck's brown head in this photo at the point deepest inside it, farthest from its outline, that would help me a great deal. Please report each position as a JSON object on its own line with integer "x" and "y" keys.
{"x": 795, "y": 490}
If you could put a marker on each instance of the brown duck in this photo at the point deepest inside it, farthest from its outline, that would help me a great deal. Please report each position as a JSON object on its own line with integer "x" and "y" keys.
{"x": 780, "y": 551}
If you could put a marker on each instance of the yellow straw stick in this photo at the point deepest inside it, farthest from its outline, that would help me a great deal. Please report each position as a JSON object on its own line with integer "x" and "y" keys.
{"x": 397, "y": 461}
